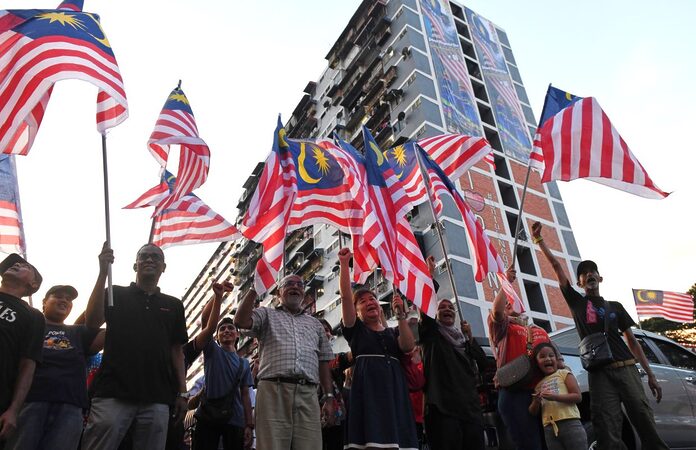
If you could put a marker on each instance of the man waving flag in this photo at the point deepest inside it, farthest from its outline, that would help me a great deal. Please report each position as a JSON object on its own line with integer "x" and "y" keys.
{"x": 41, "y": 47}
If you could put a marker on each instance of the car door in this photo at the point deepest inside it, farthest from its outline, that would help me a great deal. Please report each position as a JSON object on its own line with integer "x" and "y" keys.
{"x": 676, "y": 413}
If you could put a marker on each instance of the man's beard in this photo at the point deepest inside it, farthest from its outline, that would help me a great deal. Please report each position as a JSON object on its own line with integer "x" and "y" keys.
{"x": 293, "y": 301}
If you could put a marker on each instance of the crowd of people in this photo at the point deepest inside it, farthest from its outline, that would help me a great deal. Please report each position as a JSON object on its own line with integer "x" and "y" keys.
{"x": 412, "y": 386}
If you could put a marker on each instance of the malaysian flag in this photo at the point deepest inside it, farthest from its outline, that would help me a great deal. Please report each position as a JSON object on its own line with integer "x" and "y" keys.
{"x": 11, "y": 228}
{"x": 457, "y": 153}
{"x": 41, "y": 47}
{"x": 579, "y": 141}
{"x": 187, "y": 221}
{"x": 405, "y": 165}
{"x": 177, "y": 126}
{"x": 484, "y": 255}
{"x": 266, "y": 219}
{"x": 399, "y": 254}
{"x": 668, "y": 305}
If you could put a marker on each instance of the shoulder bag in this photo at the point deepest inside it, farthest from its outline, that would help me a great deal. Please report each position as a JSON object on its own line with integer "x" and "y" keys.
{"x": 518, "y": 373}
{"x": 594, "y": 348}
{"x": 219, "y": 410}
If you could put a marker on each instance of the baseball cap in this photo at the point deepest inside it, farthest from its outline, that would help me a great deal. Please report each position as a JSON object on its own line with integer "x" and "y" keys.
{"x": 63, "y": 288}
{"x": 586, "y": 265}
{"x": 13, "y": 259}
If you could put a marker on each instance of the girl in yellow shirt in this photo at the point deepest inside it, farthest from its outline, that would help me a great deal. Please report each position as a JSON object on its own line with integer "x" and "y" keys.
{"x": 556, "y": 395}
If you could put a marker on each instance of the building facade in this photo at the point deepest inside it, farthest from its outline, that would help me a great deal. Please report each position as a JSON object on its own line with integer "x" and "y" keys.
{"x": 407, "y": 70}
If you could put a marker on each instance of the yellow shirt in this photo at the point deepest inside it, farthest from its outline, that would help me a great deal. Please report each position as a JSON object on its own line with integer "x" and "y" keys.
{"x": 552, "y": 411}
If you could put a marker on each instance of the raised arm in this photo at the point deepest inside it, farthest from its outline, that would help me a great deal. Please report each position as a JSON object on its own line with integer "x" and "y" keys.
{"x": 406, "y": 340}
{"x": 637, "y": 351}
{"x": 219, "y": 289}
{"x": 347, "y": 306}
{"x": 500, "y": 301}
{"x": 94, "y": 314}
{"x": 243, "y": 317}
{"x": 557, "y": 267}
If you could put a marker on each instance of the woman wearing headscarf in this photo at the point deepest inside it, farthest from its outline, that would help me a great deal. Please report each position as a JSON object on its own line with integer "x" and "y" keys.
{"x": 451, "y": 359}
{"x": 380, "y": 411}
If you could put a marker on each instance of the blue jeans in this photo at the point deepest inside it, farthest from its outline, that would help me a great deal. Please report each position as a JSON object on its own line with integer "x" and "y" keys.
{"x": 43, "y": 425}
{"x": 524, "y": 429}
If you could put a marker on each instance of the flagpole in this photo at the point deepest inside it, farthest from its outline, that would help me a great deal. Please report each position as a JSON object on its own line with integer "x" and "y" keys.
{"x": 110, "y": 289}
{"x": 518, "y": 226}
{"x": 152, "y": 231}
{"x": 438, "y": 227}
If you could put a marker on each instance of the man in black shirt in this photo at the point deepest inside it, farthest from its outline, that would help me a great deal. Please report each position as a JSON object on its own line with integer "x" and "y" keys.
{"x": 143, "y": 365}
{"x": 21, "y": 337}
{"x": 619, "y": 381}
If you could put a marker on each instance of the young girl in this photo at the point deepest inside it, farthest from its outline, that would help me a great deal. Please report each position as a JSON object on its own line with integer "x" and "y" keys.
{"x": 556, "y": 395}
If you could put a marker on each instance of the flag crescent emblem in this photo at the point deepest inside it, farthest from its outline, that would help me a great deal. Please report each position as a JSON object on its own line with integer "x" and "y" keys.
{"x": 378, "y": 152}
{"x": 640, "y": 296}
{"x": 301, "y": 167}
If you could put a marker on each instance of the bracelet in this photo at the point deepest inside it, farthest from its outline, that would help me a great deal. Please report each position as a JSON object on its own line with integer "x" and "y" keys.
{"x": 536, "y": 240}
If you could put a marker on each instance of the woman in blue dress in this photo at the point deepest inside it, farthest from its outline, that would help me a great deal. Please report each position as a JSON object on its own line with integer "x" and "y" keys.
{"x": 380, "y": 413}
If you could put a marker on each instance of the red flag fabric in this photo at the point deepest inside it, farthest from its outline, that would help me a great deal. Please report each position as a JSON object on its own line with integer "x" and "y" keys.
{"x": 581, "y": 142}
{"x": 41, "y": 47}
{"x": 672, "y": 306}
{"x": 176, "y": 125}
{"x": 11, "y": 228}
{"x": 457, "y": 153}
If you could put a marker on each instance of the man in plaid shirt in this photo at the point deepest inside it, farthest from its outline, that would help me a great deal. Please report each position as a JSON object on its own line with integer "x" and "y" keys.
{"x": 294, "y": 356}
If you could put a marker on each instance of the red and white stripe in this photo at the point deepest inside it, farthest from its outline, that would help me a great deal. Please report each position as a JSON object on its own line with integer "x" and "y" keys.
{"x": 11, "y": 228}
{"x": 191, "y": 221}
{"x": 456, "y": 153}
{"x": 581, "y": 142}
{"x": 151, "y": 197}
{"x": 267, "y": 217}
{"x": 675, "y": 306}
{"x": 177, "y": 127}
{"x": 30, "y": 67}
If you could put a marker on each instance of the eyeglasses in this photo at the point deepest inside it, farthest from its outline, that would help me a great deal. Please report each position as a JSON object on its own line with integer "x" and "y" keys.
{"x": 298, "y": 283}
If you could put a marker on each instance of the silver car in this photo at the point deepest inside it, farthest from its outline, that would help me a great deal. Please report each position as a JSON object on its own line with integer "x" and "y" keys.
{"x": 675, "y": 369}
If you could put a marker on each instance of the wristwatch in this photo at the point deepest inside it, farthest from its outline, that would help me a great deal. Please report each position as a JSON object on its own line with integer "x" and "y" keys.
{"x": 326, "y": 397}
{"x": 184, "y": 395}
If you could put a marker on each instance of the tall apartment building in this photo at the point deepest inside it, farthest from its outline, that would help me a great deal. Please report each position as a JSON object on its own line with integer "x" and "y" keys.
{"x": 410, "y": 69}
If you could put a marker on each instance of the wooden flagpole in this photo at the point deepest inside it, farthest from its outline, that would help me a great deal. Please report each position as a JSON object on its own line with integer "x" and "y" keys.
{"x": 518, "y": 226}
{"x": 110, "y": 289}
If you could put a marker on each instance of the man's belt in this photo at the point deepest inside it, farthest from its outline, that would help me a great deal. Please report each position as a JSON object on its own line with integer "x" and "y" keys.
{"x": 300, "y": 381}
{"x": 618, "y": 364}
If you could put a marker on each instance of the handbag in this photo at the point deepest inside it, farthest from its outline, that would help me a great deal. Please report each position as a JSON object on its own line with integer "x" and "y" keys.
{"x": 219, "y": 410}
{"x": 594, "y": 348}
{"x": 518, "y": 373}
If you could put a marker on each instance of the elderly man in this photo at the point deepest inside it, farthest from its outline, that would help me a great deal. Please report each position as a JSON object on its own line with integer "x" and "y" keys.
{"x": 52, "y": 414}
{"x": 294, "y": 358}
{"x": 21, "y": 337}
{"x": 143, "y": 365}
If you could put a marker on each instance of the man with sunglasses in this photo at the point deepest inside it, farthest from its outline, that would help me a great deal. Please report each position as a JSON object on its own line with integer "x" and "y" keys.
{"x": 294, "y": 356}
{"x": 143, "y": 365}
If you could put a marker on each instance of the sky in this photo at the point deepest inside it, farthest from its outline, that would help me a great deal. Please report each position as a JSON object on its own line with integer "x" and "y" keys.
{"x": 242, "y": 63}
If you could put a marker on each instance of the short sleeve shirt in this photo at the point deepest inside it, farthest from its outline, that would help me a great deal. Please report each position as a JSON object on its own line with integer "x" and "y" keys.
{"x": 62, "y": 376}
{"x": 141, "y": 330}
{"x": 290, "y": 345}
{"x": 224, "y": 372}
{"x": 553, "y": 411}
{"x": 21, "y": 336}
{"x": 588, "y": 315}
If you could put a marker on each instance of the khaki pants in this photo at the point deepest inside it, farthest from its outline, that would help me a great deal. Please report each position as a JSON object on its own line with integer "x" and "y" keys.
{"x": 287, "y": 417}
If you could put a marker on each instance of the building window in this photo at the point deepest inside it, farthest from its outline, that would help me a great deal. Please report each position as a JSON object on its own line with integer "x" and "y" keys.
{"x": 534, "y": 296}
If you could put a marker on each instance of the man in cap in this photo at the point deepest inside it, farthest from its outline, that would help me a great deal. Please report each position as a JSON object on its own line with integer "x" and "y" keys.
{"x": 294, "y": 359}
{"x": 617, "y": 382}
{"x": 52, "y": 413}
{"x": 142, "y": 371}
{"x": 21, "y": 336}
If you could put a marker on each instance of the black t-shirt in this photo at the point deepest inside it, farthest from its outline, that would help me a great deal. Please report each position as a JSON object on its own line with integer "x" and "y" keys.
{"x": 451, "y": 377}
{"x": 190, "y": 353}
{"x": 619, "y": 320}
{"x": 21, "y": 336}
{"x": 141, "y": 330}
{"x": 62, "y": 376}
